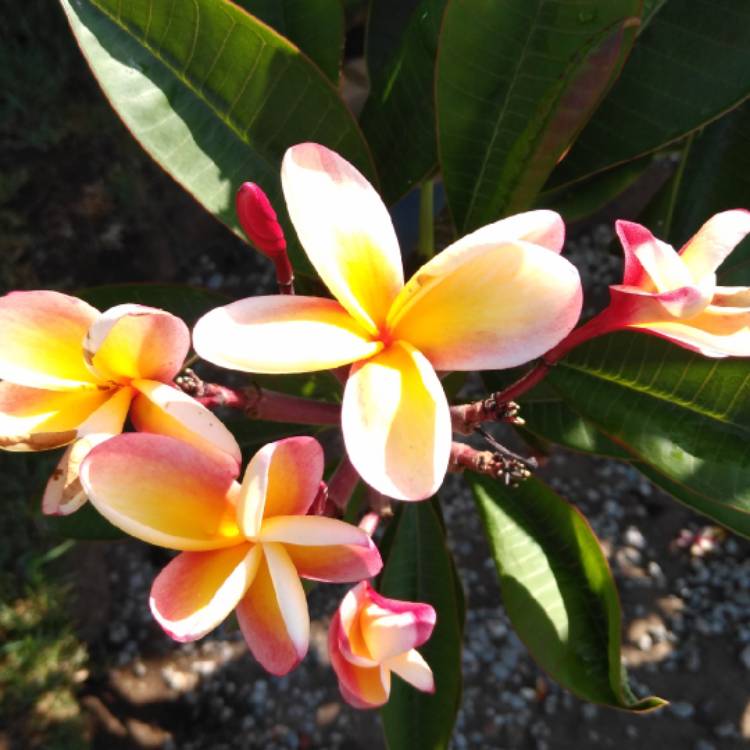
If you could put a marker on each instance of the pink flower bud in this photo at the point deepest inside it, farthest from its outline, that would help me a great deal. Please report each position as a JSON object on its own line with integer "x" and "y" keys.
{"x": 259, "y": 221}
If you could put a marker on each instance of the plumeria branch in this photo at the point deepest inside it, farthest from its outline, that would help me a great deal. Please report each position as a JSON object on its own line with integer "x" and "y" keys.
{"x": 466, "y": 417}
{"x": 342, "y": 484}
{"x": 500, "y": 463}
{"x": 259, "y": 403}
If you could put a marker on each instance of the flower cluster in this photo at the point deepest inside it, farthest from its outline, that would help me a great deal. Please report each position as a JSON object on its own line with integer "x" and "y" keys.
{"x": 498, "y": 298}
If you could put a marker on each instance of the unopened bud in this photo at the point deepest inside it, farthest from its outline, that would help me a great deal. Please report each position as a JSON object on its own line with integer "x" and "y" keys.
{"x": 259, "y": 221}
{"x": 260, "y": 224}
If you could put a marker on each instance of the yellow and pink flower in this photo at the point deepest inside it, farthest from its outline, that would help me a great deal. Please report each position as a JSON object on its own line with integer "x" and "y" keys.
{"x": 72, "y": 375}
{"x": 495, "y": 299}
{"x": 370, "y": 637}
{"x": 243, "y": 547}
{"x": 675, "y": 295}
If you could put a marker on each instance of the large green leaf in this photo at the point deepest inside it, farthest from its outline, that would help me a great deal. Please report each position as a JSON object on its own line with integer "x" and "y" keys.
{"x": 516, "y": 80}
{"x": 419, "y": 568}
{"x": 736, "y": 520}
{"x": 716, "y": 177}
{"x": 688, "y": 67}
{"x": 315, "y": 26}
{"x": 212, "y": 94}
{"x": 555, "y": 421}
{"x": 686, "y": 416}
{"x": 557, "y": 589}
{"x": 580, "y": 201}
{"x": 399, "y": 115}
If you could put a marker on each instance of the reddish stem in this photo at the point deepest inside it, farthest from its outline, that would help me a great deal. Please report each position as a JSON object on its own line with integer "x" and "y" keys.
{"x": 259, "y": 403}
{"x": 342, "y": 484}
{"x": 284, "y": 274}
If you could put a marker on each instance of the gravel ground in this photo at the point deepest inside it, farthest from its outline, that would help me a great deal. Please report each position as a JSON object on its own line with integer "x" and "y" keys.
{"x": 687, "y": 636}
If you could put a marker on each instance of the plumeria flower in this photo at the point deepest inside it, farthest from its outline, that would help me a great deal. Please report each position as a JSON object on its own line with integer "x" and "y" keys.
{"x": 497, "y": 298}
{"x": 243, "y": 547}
{"x": 370, "y": 637}
{"x": 674, "y": 295}
{"x": 72, "y": 374}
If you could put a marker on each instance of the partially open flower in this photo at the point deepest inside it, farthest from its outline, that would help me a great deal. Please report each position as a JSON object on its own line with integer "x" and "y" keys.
{"x": 72, "y": 374}
{"x": 495, "y": 299}
{"x": 243, "y": 547}
{"x": 675, "y": 295}
{"x": 370, "y": 637}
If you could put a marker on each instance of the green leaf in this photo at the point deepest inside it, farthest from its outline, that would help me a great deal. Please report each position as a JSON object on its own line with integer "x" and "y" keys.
{"x": 186, "y": 302}
{"x": 555, "y": 421}
{"x": 688, "y": 67}
{"x": 557, "y": 589}
{"x": 581, "y": 201}
{"x": 684, "y": 415}
{"x": 735, "y": 520}
{"x": 315, "y": 26}
{"x": 213, "y": 95}
{"x": 419, "y": 568}
{"x": 516, "y": 80}
{"x": 399, "y": 115}
{"x": 716, "y": 177}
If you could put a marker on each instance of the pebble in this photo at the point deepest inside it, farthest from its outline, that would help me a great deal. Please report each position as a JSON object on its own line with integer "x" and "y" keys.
{"x": 682, "y": 709}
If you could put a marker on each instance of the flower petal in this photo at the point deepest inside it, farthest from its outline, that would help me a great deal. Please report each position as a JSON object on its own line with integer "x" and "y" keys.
{"x": 312, "y": 531}
{"x": 644, "y": 253}
{"x": 41, "y": 339}
{"x": 488, "y": 306}
{"x": 165, "y": 410}
{"x": 133, "y": 341}
{"x": 163, "y": 491}
{"x": 273, "y": 615}
{"x": 412, "y": 668}
{"x": 391, "y": 627}
{"x": 282, "y": 479}
{"x": 197, "y": 590}
{"x": 711, "y": 244}
{"x": 281, "y": 334}
{"x": 335, "y": 563}
{"x": 396, "y": 423}
{"x": 346, "y": 231}
{"x": 361, "y": 686}
{"x": 32, "y": 419}
{"x": 715, "y": 332}
{"x": 732, "y": 296}
{"x": 64, "y": 492}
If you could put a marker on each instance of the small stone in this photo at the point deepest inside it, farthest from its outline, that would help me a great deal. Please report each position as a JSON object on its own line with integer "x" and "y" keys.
{"x": 589, "y": 711}
{"x": 682, "y": 709}
{"x": 204, "y": 667}
{"x": 327, "y": 713}
{"x": 645, "y": 642}
{"x": 725, "y": 729}
{"x": 745, "y": 657}
{"x": 634, "y": 537}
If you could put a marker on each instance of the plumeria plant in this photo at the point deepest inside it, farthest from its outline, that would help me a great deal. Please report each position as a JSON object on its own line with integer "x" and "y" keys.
{"x": 522, "y": 117}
